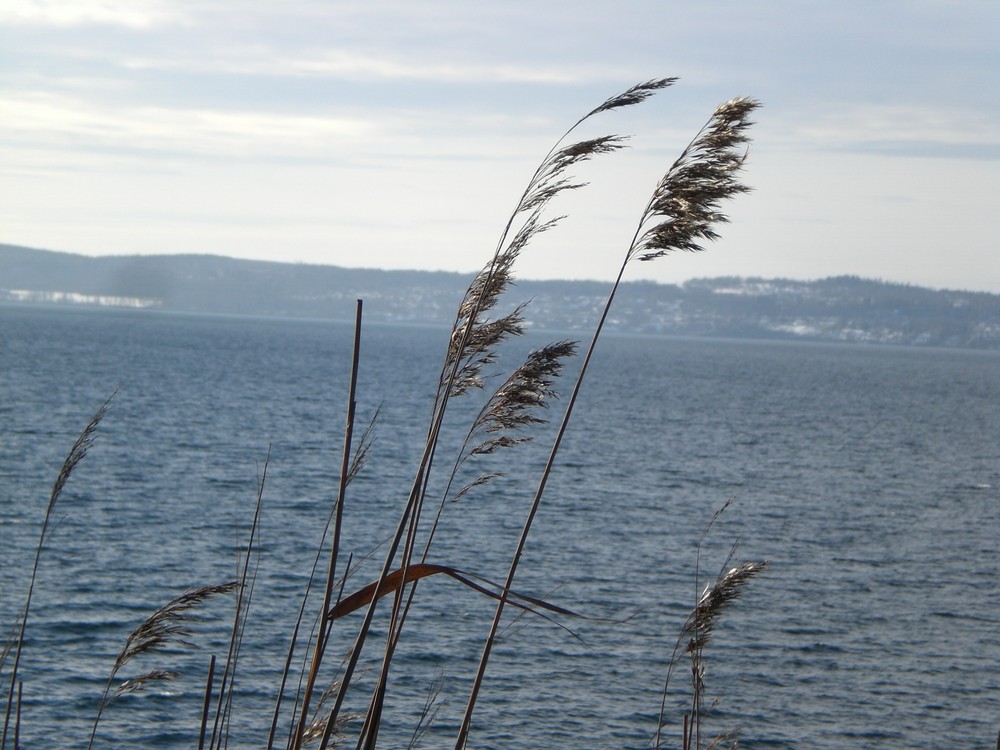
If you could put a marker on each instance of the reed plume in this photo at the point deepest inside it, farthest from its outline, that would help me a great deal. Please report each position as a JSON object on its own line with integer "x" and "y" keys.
{"x": 698, "y": 628}
{"x": 684, "y": 208}
{"x": 514, "y": 405}
{"x": 636, "y": 94}
{"x": 516, "y": 402}
{"x": 135, "y": 684}
{"x": 716, "y": 597}
{"x": 76, "y": 454}
{"x": 168, "y": 626}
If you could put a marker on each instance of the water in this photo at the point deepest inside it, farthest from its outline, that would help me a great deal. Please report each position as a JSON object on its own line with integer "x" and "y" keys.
{"x": 868, "y": 477}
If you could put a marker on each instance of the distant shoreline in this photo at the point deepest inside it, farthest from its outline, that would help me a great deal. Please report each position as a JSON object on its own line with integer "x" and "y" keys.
{"x": 843, "y": 309}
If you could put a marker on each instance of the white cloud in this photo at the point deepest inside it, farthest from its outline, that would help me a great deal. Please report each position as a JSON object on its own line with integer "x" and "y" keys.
{"x": 362, "y": 66}
{"x": 61, "y": 122}
{"x": 134, "y": 14}
{"x": 896, "y": 129}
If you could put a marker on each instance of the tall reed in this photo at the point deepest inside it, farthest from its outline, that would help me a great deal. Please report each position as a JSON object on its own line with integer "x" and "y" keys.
{"x": 76, "y": 454}
{"x": 682, "y": 214}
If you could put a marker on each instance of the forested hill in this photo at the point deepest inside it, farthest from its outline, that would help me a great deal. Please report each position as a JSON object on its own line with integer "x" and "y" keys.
{"x": 835, "y": 309}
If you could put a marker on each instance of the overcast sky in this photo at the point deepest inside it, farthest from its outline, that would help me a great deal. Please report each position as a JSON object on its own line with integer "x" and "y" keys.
{"x": 399, "y": 134}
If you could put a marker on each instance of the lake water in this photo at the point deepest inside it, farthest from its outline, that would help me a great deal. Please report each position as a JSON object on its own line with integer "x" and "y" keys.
{"x": 868, "y": 477}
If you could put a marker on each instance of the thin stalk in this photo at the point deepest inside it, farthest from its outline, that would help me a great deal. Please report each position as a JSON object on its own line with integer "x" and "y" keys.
{"x": 242, "y": 609}
{"x": 207, "y": 703}
{"x": 360, "y": 457}
{"x": 17, "y": 719}
{"x": 411, "y": 508}
{"x": 321, "y": 636}
{"x": 463, "y": 735}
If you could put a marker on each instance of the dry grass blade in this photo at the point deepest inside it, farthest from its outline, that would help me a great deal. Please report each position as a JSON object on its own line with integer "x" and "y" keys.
{"x": 415, "y": 571}
{"x": 726, "y": 589}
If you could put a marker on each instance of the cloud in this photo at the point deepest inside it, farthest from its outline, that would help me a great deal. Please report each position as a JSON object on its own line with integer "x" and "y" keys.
{"x": 366, "y": 66}
{"x": 62, "y": 122}
{"x": 133, "y": 14}
{"x": 917, "y": 130}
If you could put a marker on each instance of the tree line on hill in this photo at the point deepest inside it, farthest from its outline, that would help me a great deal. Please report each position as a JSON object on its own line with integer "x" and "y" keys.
{"x": 844, "y": 308}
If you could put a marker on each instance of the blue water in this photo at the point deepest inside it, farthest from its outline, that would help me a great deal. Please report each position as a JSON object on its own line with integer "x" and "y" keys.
{"x": 868, "y": 477}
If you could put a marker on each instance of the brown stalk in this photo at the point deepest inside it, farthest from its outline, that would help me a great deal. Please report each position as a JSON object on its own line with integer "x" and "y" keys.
{"x": 206, "y": 703}
{"x": 361, "y": 455}
{"x": 247, "y": 580}
{"x": 345, "y": 475}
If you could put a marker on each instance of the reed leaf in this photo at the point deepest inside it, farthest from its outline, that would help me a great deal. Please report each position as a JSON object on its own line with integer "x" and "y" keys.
{"x": 415, "y": 571}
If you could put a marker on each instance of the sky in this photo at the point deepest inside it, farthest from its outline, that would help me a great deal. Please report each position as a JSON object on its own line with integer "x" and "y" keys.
{"x": 386, "y": 134}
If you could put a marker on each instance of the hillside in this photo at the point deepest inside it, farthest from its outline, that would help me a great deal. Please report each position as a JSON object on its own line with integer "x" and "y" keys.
{"x": 834, "y": 309}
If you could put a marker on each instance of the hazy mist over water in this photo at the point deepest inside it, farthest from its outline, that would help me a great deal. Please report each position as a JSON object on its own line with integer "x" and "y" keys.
{"x": 868, "y": 476}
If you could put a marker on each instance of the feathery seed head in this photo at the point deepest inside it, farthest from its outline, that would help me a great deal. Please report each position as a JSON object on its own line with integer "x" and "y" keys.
{"x": 716, "y": 597}
{"x": 634, "y": 95}
{"x": 168, "y": 625}
{"x": 136, "y": 684}
{"x": 528, "y": 388}
{"x": 684, "y": 208}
